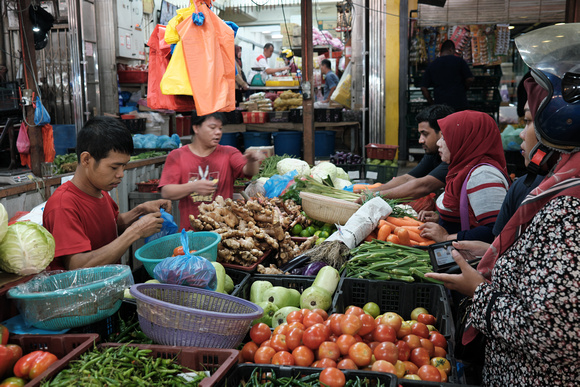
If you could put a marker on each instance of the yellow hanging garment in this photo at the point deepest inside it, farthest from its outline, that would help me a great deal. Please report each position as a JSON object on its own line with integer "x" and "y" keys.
{"x": 171, "y": 35}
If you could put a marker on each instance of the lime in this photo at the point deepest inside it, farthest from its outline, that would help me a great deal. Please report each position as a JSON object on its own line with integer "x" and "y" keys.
{"x": 372, "y": 309}
{"x": 297, "y": 229}
{"x": 324, "y": 234}
{"x": 305, "y": 233}
{"x": 319, "y": 241}
{"x": 327, "y": 227}
{"x": 317, "y": 233}
{"x": 311, "y": 230}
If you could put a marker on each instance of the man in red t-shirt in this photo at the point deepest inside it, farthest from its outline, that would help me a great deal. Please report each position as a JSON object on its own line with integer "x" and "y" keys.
{"x": 81, "y": 215}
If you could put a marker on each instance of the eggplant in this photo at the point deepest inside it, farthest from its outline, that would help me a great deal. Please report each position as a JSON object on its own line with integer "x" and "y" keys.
{"x": 313, "y": 268}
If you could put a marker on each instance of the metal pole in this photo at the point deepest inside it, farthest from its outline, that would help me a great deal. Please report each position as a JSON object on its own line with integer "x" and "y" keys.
{"x": 307, "y": 89}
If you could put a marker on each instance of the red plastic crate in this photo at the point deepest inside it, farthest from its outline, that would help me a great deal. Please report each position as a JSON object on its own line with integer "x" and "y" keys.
{"x": 65, "y": 347}
{"x": 132, "y": 76}
{"x": 183, "y": 126}
{"x": 381, "y": 151}
{"x": 255, "y": 117}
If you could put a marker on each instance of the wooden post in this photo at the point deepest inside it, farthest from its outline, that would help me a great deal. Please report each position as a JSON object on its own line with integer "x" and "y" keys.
{"x": 307, "y": 77}
{"x": 29, "y": 55}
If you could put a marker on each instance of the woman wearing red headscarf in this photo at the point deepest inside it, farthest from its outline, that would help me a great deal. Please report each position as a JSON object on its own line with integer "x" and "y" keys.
{"x": 477, "y": 180}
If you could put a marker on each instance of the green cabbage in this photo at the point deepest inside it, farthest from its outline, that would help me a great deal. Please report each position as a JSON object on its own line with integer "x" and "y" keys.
{"x": 3, "y": 222}
{"x": 27, "y": 248}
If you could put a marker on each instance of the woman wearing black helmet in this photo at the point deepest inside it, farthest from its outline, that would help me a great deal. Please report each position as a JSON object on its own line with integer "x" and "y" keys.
{"x": 526, "y": 290}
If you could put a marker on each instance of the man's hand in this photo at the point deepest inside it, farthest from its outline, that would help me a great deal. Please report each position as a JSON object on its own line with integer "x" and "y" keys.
{"x": 466, "y": 282}
{"x": 428, "y": 216}
{"x": 471, "y": 249}
{"x": 253, "y": 156}
{"x": 155, "y": 206}
{"x": 433, "y": 231}
{"x": 203, "y": 187}
{"x": 147, "y": 225}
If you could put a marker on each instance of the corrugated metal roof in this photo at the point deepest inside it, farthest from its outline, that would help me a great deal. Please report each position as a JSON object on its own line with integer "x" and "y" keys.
{"x": 459, "y": 12}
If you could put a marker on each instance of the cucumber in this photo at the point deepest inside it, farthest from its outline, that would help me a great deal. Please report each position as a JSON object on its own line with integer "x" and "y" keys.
{"x": 327, "y": 279}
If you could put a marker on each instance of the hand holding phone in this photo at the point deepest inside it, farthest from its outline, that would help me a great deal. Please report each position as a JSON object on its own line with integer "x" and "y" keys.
{"x": 442, "y": 258}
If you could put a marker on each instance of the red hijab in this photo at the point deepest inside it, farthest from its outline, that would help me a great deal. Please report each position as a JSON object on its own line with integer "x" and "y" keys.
{"x": 472, "y": 138}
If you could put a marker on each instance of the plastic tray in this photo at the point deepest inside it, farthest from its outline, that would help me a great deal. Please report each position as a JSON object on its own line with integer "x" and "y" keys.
{"x": 240, "y": 279}
{"x": 132, "y": 76}
{"x": 248, "y": 268}
{"x": 355, "y": 171}
{"x": 381, "y": 151}
{"x": 398, "y": 297}
{"x": 65, "y": 347}
{"x": 244, "y": 371}
{"x": 380, "y": 173}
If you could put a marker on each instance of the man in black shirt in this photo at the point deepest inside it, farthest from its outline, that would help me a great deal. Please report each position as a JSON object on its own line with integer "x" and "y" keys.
{"x": 429, "y": 175}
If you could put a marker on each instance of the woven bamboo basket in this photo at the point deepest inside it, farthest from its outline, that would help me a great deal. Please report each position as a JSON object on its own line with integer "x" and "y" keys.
{"x": 326, "y": 209}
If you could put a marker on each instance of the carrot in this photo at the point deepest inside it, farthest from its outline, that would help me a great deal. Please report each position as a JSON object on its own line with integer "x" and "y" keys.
{"x": 382, "y": 222}
{"x": 384, "y": 232}
{"x": 426, "y": 243}
{"x": 415, "y": 229}
{"x": 391, "y": 224}
{"x": 413, "y": 235}
{"x": 369, "y": 238}
{"x": 409, "y": 219}
{"x": 400, "y": 222}
{"x": 404, "y": 237}
{"x": 393, "y": 239}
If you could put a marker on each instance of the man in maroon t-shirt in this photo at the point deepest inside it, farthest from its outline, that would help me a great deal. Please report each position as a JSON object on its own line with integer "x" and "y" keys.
{"x": 81, "y": 215}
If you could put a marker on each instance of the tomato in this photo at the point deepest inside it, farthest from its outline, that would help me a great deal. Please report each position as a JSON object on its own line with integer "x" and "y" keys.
{"x": 249, "y": 350}
{"x": 438, "y": 340}
{"x": 344, "y": 342}
{"x": 264, "y": 355}
{"x": 9, "y": 355}
{"x": 350, "y": 324}
{"x": 329, "y": 350}
{"x": 428, "y": 345}
{"x": 326, "y": 362}
{"x": 303, "y": 356}
{"x": 3, "y": 335}
{"x": 404, "y": 350}
{"x": 314, "y": 336}
{"x": 427, "y": 319}
{"x": 335, "y": 320}
{"x": 410, "y": 367}
{"x": 368, "y": 324}
{"x": 31, "y": 365}
{"x": 311, "y": 319}
{"x": 325, "y": 330}
{"x": 442, "y": 364}
{"x": 356, "y": 310}
{"x": 178, "y": 250}
{"x": 384, "y": 332}
{"x": 295, "y": 325}
{"x": 361, "y": 354}
{"x": 283, "y": 358}
{"x": 332, "y": 377}
{"x": 281, "y": 329}
{"x": 294, "y": 338}
{"x": 392, "y": 319}
{"x": 13, "y": 382}
{"x": 404, "y": 330}
{"x": 373, "y": 345}
{"x": 266, "y": 344}
{"x": 439, "y": 352}
{"x": 417, "y": 311}
{"x": 322, "y": 313}
{"x": 368, "y": 338}
{"x": 383, "y": 366}
{"x": 412, "y": 377}
{"x": 413, "y": 341}
{"x": 260, "y": 333}
{"x": 387, "y": 351}
{"x": 372, "y": 308}
{"x": 420, "y": 330}
{"x": 346, "y": 364}
{"x": 429, "y": 373}
{"x": 420, "y": 356}
{"x": 278, "y": 342}
{"x": 444, "y": 376}
{"x": 295, "y": 316}
{"x": 400, "y": 369}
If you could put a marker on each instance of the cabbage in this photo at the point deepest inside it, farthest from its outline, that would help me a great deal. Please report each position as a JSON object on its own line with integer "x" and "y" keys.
{"x": 3, "y": 222}
{"x": 341, "y": 173}
{"x": 27, "y": 248}
{"x": 323, "y": 170}
{"x": 341, "y": 183}
{"x": 289, "y": 165}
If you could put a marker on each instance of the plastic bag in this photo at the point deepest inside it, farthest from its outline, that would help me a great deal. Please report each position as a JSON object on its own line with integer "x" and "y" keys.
{"x": 278, "y": 183}
{"x": 188, "y": 269}
{"x": 23, "y": 142}
{"x": 342, "y": 92}
{"x": 168, "y": 227}
{"x": 41, "y": 116}
{"x": 510, "y": 138}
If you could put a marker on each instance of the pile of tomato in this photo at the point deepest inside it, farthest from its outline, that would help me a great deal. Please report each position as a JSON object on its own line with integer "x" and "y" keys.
{"x": 411, "y": 349}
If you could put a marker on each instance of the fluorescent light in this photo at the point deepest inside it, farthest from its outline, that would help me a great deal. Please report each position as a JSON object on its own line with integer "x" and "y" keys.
{"x": 511, "y": 27}
{"x": 559, "y": 24}
{"x": 266, "y": 32}
{"x": 35, "y": 29}
{"x": 277, "y": 36}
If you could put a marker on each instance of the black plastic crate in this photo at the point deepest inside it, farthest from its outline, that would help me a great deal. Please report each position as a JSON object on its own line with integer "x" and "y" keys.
{"x": 279, "y": 116}
{"x": 234, "y": 117}
{"x": 242, "y": 373}
{"x": 295, "y": 115}
{"x": 241, "y": 282}
{"x": 380, "y": 173}
{"x": 413, "y": 134}
{"x": 136, "y": 125}
{"x": 398, "y": 297}
{"x": 355, "y": 171}
{"x": 328, "y": 115}
{"x": 352, "y": 115}
{"x": 487, "y": 71}
{"x": 111, "y": 324}
{"x": 486, "y": 81}
{"x": 413, "y": 108}
{"x": 9, "y": 96}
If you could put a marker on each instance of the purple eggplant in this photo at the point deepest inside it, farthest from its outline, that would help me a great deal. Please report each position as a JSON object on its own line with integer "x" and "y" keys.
{"x": 313, "y": 268}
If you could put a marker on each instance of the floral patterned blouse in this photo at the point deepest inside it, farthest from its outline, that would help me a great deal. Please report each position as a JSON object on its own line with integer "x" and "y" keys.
{"x": 530, "y": 312}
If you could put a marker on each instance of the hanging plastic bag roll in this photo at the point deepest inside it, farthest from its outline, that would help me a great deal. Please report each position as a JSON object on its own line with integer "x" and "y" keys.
{"x": 342, "y": 93}
{"x": 362, "y": 223}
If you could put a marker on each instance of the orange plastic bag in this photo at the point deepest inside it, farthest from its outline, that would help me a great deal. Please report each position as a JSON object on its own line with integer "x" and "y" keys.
{"x": 210, "y": 59}
{"x": 159, "y": 57}
{"x": 47, "y": 146}
{"x": 426, "y": 203}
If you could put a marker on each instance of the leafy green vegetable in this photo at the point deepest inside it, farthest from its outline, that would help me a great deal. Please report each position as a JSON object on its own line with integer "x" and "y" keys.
{"x": 27, "y": 248}
{"x": 398, "y": 212}
{"x": 3, "y": 222}
{"x": 268, "y": 166}
{"x": 292, "y": 193}
{"x": 326, "y": 188}
{"x": 148, "y": 155}
{"x": 62, "y": 161}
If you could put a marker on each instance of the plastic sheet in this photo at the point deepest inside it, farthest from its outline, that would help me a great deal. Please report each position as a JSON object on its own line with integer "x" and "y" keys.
{"x": 68, "y": 299}
{"x": 188, "y": 269}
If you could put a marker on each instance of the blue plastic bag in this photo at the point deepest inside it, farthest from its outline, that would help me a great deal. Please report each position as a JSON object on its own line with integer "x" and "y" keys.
{"x": 41, "y": 116}
{"x": 167, "y": 228}
{"x": 188, "y": 269}
{"x": 277, "y": 184}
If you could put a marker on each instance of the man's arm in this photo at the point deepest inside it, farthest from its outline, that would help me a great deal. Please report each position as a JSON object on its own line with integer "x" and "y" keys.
{"x": 126, "y": 219}
{"x": 111, "y": 253}
{"x": 330, "y": 94}
{"x": 415, "y": 188}
{"x": 397, "y": 181}
{"x": 427, "y": 95}
{"x": 252, "y": 167}
{"x": 271, "y": 70}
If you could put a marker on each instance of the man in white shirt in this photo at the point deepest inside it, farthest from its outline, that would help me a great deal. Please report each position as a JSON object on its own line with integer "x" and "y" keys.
{"x": 262, "y": 62}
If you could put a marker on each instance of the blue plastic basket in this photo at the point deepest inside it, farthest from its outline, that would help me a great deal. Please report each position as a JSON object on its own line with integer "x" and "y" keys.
{"x": 74, "y": 298}
{"x": 193, "y": 317}
{"x": 204, "y": 242}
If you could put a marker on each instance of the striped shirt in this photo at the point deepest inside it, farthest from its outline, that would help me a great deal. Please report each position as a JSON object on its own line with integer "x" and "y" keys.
{"x": 486, "y": 189}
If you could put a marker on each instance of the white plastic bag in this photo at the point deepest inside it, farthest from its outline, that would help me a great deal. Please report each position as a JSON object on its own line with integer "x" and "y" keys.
{"x": 342, "y": 93}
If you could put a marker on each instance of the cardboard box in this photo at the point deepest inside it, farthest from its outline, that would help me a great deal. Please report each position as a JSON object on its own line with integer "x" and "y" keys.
{"x": 294, "y": 41}
{"x": 291, "y": 29}
{"x": 329, "y": 25}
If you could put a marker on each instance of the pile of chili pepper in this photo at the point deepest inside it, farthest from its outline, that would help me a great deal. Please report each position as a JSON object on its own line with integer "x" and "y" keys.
{"x": 123, "y": 366}
{"x": 261, "y": 378}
